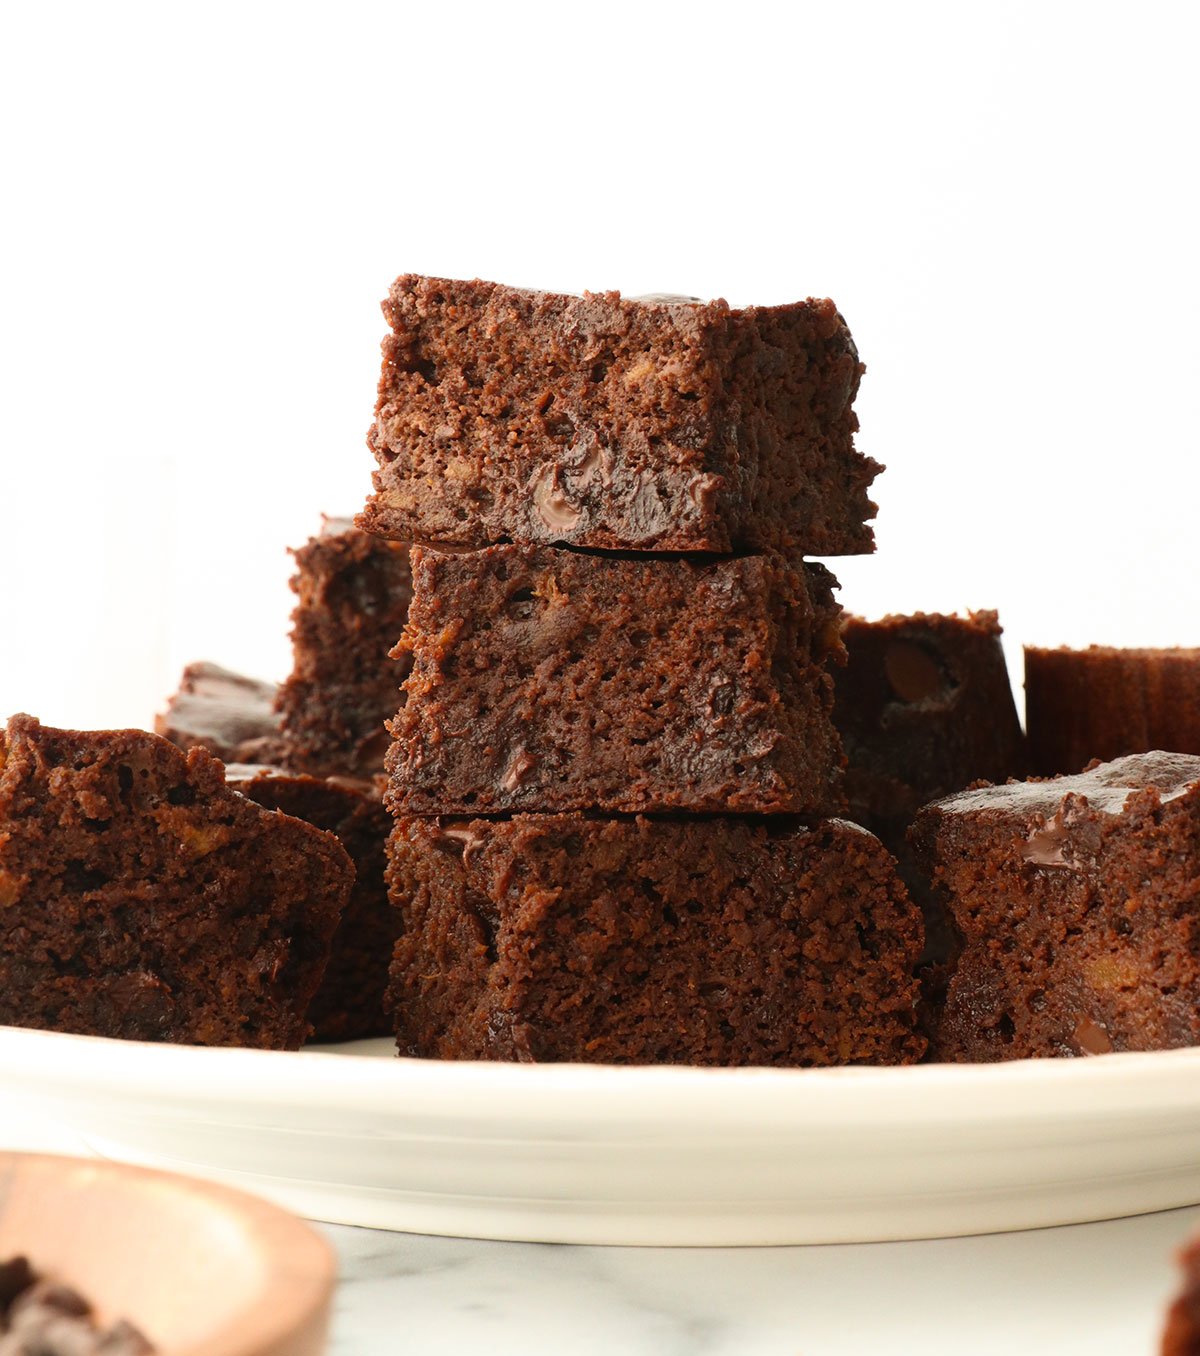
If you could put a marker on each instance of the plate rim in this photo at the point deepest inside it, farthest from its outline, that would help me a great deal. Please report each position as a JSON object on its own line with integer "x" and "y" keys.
{"x": 59, "y": 1064}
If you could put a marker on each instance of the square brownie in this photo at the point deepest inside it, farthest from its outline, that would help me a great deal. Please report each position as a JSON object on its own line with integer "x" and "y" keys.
{"x": 228, "y": 714}
{"x": 1077, "y": 905}
{"x": 721, "y": 941}
{"x": 140, "y": 897}
{"x": 352, "y": 593}
{"x": 547, "y": 679}
{"x": 1104, "y": 702}
{"x": 924, "y": 707}
{"x": 652, "y": 424}
{"x": 349, "y": 1003}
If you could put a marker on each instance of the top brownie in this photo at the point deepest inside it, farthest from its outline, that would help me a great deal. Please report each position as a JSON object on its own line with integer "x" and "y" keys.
{"x": 654, "y": 424}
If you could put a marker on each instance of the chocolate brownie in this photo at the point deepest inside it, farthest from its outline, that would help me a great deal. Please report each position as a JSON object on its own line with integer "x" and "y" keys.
{"x": 353, "y": 592}
{"x": 140, "y": 897}
{"x": 722, "y": 941}
{"x": 1077, "y": 905}
{"x": 349, "y": 1003}
{"x": 924, "y": 707}
{"x": 1103, "y": 702}
{"x": 1182, "y": 1334}
{"x": 41, "y": 1317}
{"x": 546, "y": 679}
{"x": 224, "y": 712}
{"x": 658, "y": 423}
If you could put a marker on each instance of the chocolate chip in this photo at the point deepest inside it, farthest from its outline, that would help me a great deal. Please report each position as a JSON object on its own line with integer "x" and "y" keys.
{"x": 1092, "y": 1038}
{"x": 1044, "y": 846}
{"x": 16, "y": 1276}
{"x": 522, "y": 764}
{"x": 914, "y": 674}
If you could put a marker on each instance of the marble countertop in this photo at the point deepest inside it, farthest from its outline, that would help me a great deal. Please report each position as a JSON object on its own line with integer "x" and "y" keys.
{"x": 1089, "y": 1290}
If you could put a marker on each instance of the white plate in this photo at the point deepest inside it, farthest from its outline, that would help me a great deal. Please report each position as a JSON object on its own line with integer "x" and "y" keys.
{"x": 594, "y": 1154}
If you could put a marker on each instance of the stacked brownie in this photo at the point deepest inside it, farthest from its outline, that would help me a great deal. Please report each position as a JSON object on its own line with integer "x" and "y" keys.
{"x": 314, "y": 747}
{"x": 614, "y": 766}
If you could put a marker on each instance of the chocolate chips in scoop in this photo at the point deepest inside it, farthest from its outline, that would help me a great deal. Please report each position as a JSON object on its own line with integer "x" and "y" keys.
{"x": 45, "y": 1318}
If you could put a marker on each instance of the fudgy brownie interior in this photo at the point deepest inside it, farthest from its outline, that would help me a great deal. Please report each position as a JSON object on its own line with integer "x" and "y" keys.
{"x": 349, "y": 1003}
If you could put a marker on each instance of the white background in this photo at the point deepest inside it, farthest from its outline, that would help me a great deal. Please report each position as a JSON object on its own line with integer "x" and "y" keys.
{"x": 202, "y": 205}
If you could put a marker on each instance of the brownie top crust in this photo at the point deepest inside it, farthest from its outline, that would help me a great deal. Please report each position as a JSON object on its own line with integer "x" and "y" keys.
{"x": 657, "y": 424}
{"x": 238, "y": 775}
{"x": 1167, "y": 653}
{"x": 1105, "y": 788}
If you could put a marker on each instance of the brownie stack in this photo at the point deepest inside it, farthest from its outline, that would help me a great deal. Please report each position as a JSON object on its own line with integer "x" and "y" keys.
{"x": 614, "y": 765}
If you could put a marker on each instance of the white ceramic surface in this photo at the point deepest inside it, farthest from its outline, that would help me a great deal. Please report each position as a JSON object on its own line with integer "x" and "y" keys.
{"x": 584, "y": 1154}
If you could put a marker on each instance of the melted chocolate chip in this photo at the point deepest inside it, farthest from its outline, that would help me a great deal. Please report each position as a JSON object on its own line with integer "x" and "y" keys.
{"x": 465, "y": 841}
{"x": 914, "y": 674}
{"x": 1044, "y": 846}
{"x": 1092, "y": 1038}
{"x": 701, "y": 490}
{"x": 522, "y": 764}
{"x": 551, "y": 502}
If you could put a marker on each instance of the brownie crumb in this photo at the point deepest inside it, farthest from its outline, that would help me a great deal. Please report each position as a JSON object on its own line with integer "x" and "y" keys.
{"x": 546, "y": 680}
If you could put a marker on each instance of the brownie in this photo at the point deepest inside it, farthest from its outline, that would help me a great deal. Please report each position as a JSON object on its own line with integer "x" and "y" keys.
{"x": 924, "y": 707}
{"x": 1104, "y": 702}
{"x": 353, "y": 592}
{"x": 723, "y": 941}
{"x": 140, "y": 897}
{"x": 546, "y": 679}
{"x": 1077, "y": 905}
{"x": 1181, "y": 1336}
{"x": 656, "y": 423}
{"x": 41, "y": 1317}
{"x": 349, "y": 1003}
{"x": 224, "y": 712}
